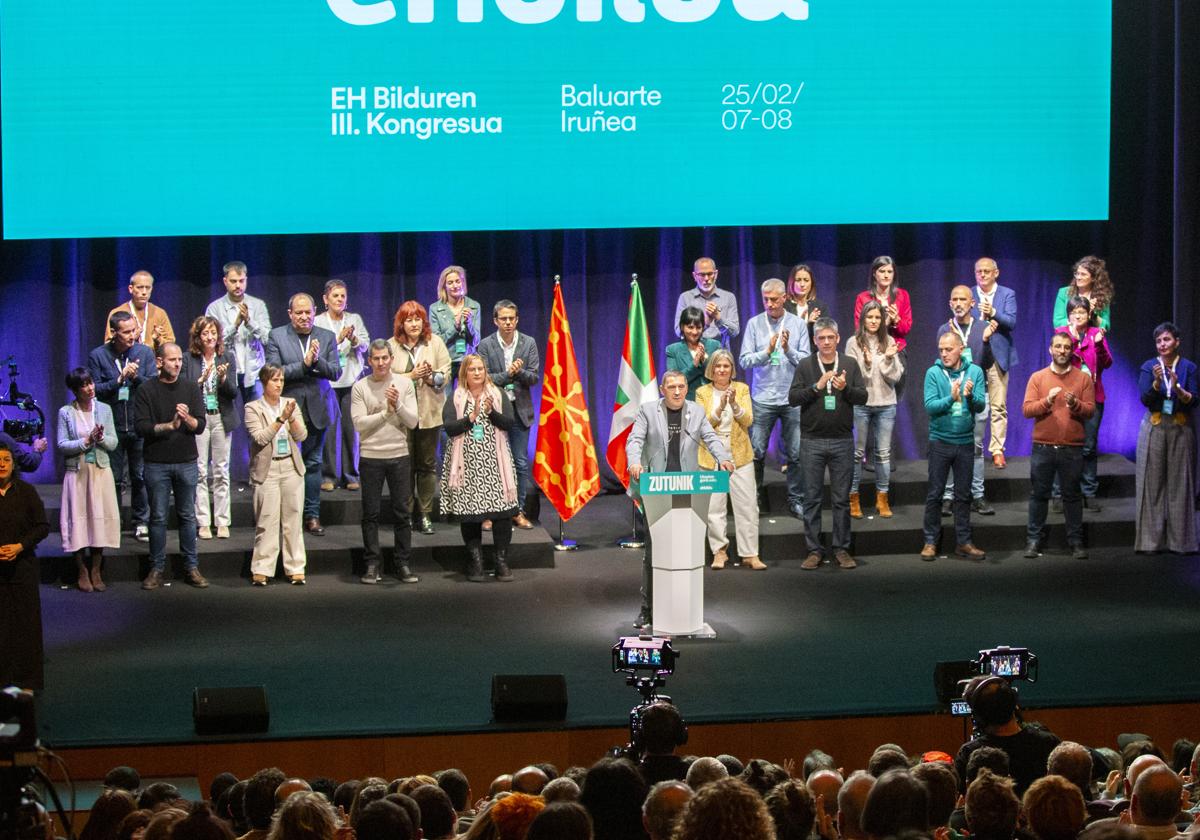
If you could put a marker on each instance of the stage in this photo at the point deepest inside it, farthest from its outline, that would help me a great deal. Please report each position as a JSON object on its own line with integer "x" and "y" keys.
{"x": 343, "y": 660}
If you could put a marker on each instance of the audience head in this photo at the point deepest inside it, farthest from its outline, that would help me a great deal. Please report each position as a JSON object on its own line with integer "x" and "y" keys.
{"x": 705, "y": 770}
{"x": 259, "y": 799}
{"x": 304, "y": 816}
{"x": 851, "y": 800}
{"x": 133, "y": 827}
{"x": 345, "y": 794}
{"x": 157, "y": 794}
{"x": 826, "y": 784}
{"x": 897, "y": 802}
{"x": 409, "y": 784}
{"x": 885, "y": 759}
{"x": 1073, "y": 762}
{"x": 324, "y": 786}
{"x": 1109, "y": 830}
{"x": 1181, "y": 755}
{"x": 109, "y": 809}
{"x": 512, "y": 814}
{"x": 732, "y": 763}
{"x": 991, "y": 758}
{"x": 235, "y": 807}
{"x": 1136, "y": 767}
{"x": 725, "y": 809}
{"x": 529, "y": 780}
{"x": 501, "y": 782}
{"x": 201, "y": 824}
{"x": 1054, "y": 808}
{"x": 941, "y": 784}
{"x": 288, "y": 787}
{"x": 992, "y": 807}
{"x": 162, "y": 823}
{"x": 125, "y": 778}
{"x": 561, "y": 821}
{"x": 409, "y": 806}
{"x": 561, "y": 789}
{"x": 437, "y": 812}
{"x": 455, "y": 783}
{"x": 220, "y": 783}
{"x": 664, "y": 803}
{"x": 384, "y": 820}
{"x": 761, "y": 775}
{"x": 1156, "y": 796}
{"x": 613, "y": 792}
{"x": 817, "y": 760}
{"x": 411, "y": 323}
{"x": 371, "y": 791}
{"x": 792, "y": 810}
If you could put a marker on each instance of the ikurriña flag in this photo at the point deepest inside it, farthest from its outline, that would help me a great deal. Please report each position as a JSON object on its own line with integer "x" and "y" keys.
{"x": 636, "y": 383}
{"x": 565, "y": 464}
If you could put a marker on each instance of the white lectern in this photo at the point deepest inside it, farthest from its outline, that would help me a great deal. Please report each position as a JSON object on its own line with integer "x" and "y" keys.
{"x": 676, "y": 506}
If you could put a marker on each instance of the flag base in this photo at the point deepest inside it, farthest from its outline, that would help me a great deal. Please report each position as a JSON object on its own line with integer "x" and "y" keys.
{"x": 566, "y": 545}
{"x": 631, "y": 543}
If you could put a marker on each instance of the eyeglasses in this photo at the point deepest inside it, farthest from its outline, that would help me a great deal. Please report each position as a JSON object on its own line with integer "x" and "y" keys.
{"x": 704, "y": 274}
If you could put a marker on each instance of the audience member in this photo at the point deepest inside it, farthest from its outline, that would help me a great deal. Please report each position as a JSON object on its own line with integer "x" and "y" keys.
{"x": 1054, "y": 808}
{"x": 942, "y": 786}
{"x": 991, "y": 807}
{"x": 762, "y": 775}
{"x": 306, "y": 816}
{"x": 561, "y": 821}
{"x": 725, "y": 809}
{"x": 663, "y": 805}
{"x": 201, "y": 824}
{"x": 561, "y": 789}
{"x": 851, "y": 800}
{"x": 512, "y": 814}
{"x": 792, "y": 810}
{"x": 529, "y": 780}
{"x": 704, "y": 770}
{"x": 613, "y": 792}
{"x": 123, "y": 777}
{"x": 437, "y": 812}
{"x": 897, "y": 802}
{"x": 104, "y": 820}
{"x": 258, "y": 801}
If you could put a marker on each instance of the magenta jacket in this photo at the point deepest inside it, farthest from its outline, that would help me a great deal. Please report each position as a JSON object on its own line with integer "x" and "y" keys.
{"x": 1091, "y": 356}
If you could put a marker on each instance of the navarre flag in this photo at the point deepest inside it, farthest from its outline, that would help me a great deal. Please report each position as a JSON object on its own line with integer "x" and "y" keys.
{"x": 565, "y": 464}
{"x": 636, "y": 384}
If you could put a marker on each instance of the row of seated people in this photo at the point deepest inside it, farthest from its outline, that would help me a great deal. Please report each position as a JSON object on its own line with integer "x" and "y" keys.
{"x": 1025, "y": 785}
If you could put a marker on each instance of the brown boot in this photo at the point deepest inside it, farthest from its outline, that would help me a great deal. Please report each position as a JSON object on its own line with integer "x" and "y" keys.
{"x": 881, "y": 505}
{"x": 85, "y": 580}
{"x": 855, "y": 507}
{"x": 97, "y": 581}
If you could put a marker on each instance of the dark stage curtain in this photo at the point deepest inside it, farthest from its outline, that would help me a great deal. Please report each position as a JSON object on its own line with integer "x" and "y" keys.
{"x": 58, "y": 292}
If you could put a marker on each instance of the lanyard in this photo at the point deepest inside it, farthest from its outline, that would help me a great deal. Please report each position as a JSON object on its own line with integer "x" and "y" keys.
{"x": 833, "y": 369}
{"x": 305, "y": 343}
{"x": 120, "y": 363}
{"x": 1168, "y": 384}
{"x": 963, "y": 335}
{"x": 962, "y": 375}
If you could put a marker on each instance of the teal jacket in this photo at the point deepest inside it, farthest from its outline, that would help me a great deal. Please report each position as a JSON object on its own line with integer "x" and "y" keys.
{"x": 944, "y": 425}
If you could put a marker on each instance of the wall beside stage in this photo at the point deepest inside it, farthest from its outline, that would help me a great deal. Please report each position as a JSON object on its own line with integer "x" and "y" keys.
{"x": 57, "y": 292}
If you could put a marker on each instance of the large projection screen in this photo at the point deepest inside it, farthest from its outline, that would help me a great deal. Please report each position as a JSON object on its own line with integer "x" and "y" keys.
{"x": 151, "y": 118}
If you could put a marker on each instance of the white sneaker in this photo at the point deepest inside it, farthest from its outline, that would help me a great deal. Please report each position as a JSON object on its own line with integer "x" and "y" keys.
{"x": 204, "y": 532}
{"x": 222, "y": 532}
{"x": 141, "y": 533}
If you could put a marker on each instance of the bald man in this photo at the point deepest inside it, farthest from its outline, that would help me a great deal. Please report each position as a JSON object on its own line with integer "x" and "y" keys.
{"x": 997, "y": 305}
{"x": 153, "y": 324}
{"x": 662, "y": 807}
{"x": 851, "y": 800}
{"x": 309, "y": 358}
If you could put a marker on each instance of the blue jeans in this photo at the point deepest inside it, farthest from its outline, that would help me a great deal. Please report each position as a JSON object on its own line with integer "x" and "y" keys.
{"x": 879, "y": 419}
{"x": 1089, "y": 482}
{"x": 981, "y": 421}
{"x": 1050, "y": 465}
{"x": 760, "y": 435}
{"x": 128, "y": 454}
{"x": 518, "y": 441}
{"x": 944, "y": 457}
{"x": 311, "y": 451}
{"x": 161, "y": 481}
{"x": 836, "y": 454}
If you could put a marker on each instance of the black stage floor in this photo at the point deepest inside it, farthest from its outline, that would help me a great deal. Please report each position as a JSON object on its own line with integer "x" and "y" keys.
{"x": 342, "y": 659}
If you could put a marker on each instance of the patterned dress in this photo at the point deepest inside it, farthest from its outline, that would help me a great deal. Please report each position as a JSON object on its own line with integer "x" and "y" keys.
{"x": 481, "y": 495}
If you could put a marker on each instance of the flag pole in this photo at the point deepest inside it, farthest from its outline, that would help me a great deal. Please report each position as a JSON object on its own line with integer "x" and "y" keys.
{"x": 563, "y": 543}
{"x": 634, "y": 541}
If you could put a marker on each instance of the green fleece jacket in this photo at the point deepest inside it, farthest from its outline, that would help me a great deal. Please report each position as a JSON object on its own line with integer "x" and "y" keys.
{"x": 944, "y": 424}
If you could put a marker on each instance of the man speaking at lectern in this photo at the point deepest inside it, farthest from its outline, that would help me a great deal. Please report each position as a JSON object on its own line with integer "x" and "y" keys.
{"x": 666, "y": 437}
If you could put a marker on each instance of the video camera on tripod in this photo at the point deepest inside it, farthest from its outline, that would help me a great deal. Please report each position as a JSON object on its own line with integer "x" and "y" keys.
{"x": 21, "y": 429}
{"x": 1007, "y": 663}
{"x": 646, "y": 661}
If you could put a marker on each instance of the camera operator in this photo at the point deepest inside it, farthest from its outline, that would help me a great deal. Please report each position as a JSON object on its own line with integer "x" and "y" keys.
{"x": 23, "y": 525}
{"x": 994, "y": 709}
{"x": 662, "y": 730}
{"x": 27, "y": 460}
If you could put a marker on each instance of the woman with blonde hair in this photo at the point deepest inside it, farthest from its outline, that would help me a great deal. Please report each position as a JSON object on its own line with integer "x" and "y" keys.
{"x": 479, "y": 481}
{"x": 727, "y": 405}
{"x": 454, "y": 316}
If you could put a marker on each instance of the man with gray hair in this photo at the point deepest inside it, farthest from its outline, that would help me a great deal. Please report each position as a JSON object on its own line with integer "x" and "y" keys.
{"x": 827, "y": 386}
{"x": 704, "y": 770}
{"x": 774, "y": 344}
{"x": 662, "y": 807}
{"x": 851, "y": 800}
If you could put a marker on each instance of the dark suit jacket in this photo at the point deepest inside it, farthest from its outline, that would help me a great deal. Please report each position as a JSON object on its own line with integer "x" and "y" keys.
{"x": 227, "y": 389}
{"x": 530, "y": 375}
{"x": 306, "y": 385}
{"x": 1005, "y": 302}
